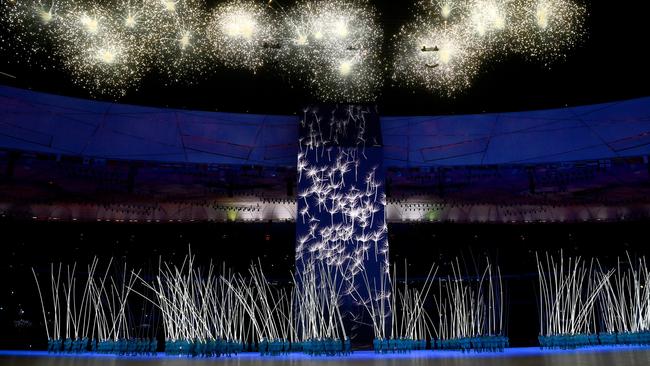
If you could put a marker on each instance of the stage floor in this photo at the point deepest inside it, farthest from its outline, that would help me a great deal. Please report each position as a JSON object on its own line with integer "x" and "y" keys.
{"x": 600, "y": 356}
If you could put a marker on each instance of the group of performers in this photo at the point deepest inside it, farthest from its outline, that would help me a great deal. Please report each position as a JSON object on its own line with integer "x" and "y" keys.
{"x": 573, "y": 341}
{"x": 122, "y": 346}
{"x": 473, "y": 344}
{"x": 400, "y": 345}
{"x": 203, "y": 348}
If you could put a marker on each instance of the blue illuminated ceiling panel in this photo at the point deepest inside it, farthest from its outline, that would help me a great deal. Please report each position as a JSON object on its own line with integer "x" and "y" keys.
{"x": 600, "y": 131}
{"x": 38, "y": 122}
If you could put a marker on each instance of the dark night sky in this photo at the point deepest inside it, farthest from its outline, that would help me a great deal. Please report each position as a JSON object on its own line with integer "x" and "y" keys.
{"x": 609, "y": 65}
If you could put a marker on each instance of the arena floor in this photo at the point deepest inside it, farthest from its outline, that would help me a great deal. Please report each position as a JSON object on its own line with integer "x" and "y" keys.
{"x": 619, "y": 356}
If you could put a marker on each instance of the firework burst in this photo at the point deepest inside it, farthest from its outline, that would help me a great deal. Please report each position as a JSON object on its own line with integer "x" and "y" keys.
{"x": 30, "y": 26}
{"x": 334, "y": 47}
{"x": 445, "y": 57}
{"x": 178, "y": 43}
{"x": 548, "y": 29}
{"x": 243, "y": 35}
{"x": 490, "y": 20}
{"x": 443, "y": 48}
{"x": 98, "y": 49}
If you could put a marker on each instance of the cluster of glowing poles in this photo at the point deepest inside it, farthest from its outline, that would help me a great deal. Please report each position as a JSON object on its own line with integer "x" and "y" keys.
{"x": 196, "y": 305}
{"x": 445, "y": 45}
{"x": 574, "y": 291}
{"x": 569, "y": 288}
{"x": 96, "y": 309}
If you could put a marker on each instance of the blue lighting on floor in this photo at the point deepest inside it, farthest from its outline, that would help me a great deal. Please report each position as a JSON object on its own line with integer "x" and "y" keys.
{"x": 358, "y": 355}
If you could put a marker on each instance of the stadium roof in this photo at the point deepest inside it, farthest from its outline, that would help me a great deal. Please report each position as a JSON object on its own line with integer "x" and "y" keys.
{"x": 45, "y": 123}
